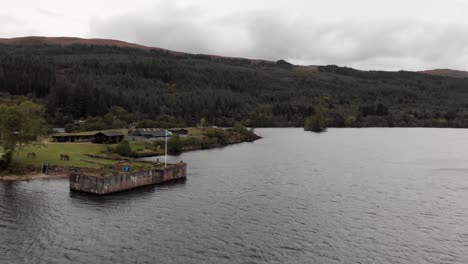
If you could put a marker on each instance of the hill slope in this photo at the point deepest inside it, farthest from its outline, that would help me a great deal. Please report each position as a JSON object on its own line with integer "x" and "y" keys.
{"x": 36, "y": 40}
{"x": 77, "y": 78}
{"x": 447, "y": 73}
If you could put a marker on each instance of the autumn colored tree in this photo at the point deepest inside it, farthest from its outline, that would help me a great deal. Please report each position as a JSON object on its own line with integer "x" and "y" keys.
{"x": 22, "y": 122}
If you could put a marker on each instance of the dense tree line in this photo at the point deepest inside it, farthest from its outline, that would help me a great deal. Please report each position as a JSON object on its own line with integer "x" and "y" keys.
{"x": 160, "y": 88}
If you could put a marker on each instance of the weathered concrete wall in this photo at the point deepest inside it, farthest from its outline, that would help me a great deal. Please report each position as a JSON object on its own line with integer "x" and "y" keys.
{"x": 126, "y": 181}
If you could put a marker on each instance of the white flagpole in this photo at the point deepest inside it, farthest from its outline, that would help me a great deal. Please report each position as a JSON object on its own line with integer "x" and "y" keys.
{"x": 165, "y": 152}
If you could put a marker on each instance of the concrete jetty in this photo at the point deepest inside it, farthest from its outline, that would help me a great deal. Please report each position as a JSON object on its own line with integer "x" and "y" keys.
{"x": 122, "y": 181}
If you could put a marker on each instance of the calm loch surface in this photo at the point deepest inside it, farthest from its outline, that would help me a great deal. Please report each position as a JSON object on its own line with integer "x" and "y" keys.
{"x": 346, "y": 196}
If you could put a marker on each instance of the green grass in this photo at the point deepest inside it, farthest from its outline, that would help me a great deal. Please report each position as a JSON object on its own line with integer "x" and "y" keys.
{"x": 138, "y": 146}
{"x": 50, "y": 152}
{"x": 76, "y": 151}
{"x": 142, "y": 147}
{"x": 195, "y": 131}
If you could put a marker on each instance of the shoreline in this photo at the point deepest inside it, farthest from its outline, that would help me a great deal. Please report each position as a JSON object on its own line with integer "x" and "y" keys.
{"x": 30, "y": 177}
{"x": 30, "y": 173}
{"x": 190, "y": 149}
{"x": 60, "y": 172}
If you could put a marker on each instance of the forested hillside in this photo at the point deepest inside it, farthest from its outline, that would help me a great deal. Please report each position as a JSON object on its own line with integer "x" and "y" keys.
{"x": 158, "y": 87}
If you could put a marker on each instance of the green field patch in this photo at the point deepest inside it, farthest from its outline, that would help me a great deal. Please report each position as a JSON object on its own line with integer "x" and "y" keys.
{"x": 50, "y": 152}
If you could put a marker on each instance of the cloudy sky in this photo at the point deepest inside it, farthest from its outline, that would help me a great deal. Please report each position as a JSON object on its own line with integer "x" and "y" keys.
{"x": 365, "y": 34}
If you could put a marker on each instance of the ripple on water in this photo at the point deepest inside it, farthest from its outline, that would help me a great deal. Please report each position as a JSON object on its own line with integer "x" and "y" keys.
{"x": 346, "y": 196}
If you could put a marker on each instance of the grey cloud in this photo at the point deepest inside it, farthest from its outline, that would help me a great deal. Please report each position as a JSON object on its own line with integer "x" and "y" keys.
{"x": 9, "y": 20}
{"x": 390, "y": 45}
{"x": 396, "y": 44}
{"x": 164, "y": 26}
{"x": 47, "y": 12}
{"x": 8, "y": 25}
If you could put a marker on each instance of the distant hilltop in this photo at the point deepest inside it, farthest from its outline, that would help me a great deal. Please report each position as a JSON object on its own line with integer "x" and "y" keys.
{"x": 447, "y": 73}
{"x": 35, "y": 40}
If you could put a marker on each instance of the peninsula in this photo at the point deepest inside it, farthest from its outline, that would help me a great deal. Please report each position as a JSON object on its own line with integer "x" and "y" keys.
{"x": 28, "y": 152}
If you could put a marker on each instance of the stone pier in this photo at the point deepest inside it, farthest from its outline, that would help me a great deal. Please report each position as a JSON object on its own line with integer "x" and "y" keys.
{"x": 118, "y": 182}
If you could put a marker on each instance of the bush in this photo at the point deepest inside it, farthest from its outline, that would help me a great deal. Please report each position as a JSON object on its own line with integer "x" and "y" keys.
{"x": 174, "y": 145}
{"x": 3, "y": 163}
{"x": 239, "y": 128}
{"x": 350, "y": 121}
{"x": 203, "y": 123}
{"x": 215, "y": 133}
{"x": 123, "y": 148}
{"x": 5, "y": 159}
{"x": 246, "y": 134}
{"x": 192, "y": 142}
{"x": 8, "y": 157}
{"x": 207, "y": 143}
{"x": 316, "y": 123}
{"x": 70, "y": 128}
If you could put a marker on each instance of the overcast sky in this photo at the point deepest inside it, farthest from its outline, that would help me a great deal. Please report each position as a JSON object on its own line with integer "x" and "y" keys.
{"x": 365, "y": 34}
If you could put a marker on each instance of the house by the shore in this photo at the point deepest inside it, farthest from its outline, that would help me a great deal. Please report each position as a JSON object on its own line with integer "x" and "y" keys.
{"x": 143, "y": 134}
{"x": 180, "y": 131}
{"x": 98, "y": 137}
{"x": 108, "y": 137}
{"x": 151, "y": 133}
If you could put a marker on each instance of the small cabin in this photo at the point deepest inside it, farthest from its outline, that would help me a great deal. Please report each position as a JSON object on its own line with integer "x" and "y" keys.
{"x": 151, "y": 133}
{"x": 102, "y": 137}
{"x": 74, "y": 138}
{"x": 179, "y": 131}
{"x": 108, "y": 137}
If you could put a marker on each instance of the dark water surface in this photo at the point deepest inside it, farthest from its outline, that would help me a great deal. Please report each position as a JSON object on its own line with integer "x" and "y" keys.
{"x": 346, "y": 196}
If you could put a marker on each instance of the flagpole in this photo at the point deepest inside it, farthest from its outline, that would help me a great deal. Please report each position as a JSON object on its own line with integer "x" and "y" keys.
{"x": 165, "y": 152}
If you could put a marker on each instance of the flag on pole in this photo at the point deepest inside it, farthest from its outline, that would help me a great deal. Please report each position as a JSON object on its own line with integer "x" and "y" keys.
{"x": 165, "y": 152}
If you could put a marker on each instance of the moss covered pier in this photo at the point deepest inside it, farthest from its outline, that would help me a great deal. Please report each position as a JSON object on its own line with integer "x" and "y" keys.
{"x": 122, "y": 181}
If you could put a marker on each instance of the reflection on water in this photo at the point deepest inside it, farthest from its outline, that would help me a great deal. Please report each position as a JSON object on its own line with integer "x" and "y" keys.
{"x": 346, "y": 196}
{"x": 139, "y": 193}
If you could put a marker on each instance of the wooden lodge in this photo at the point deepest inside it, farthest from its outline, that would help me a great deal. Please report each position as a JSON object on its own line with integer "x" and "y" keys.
{"x": 100, "y": 137}
{"x": 151, "y": 133}
{"x": 108, "y": 137}
{"x": 76, "y": 138}
{"x": 180, "y": 131}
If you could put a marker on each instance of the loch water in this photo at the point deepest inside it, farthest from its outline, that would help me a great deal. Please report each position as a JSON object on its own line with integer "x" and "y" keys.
{"x": 377, "y": 195}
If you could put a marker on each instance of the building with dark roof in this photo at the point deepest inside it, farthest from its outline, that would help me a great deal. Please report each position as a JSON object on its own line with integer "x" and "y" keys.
{"x": 100, "y": 137}
{"x": 152, "y": 133}
{"x": 108, "y": 137}
{"x": 180, "y": 131}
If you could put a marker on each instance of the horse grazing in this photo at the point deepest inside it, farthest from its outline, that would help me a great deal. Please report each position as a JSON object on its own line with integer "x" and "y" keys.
{"x": 64, "y": 157}
{"x": 31, "y": 155}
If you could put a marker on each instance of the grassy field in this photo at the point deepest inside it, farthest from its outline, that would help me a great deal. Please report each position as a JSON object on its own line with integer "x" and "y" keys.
{"x": 195, "y": 131}
{"x": 50, "y": 152}
{"x": 138, "y": 146}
